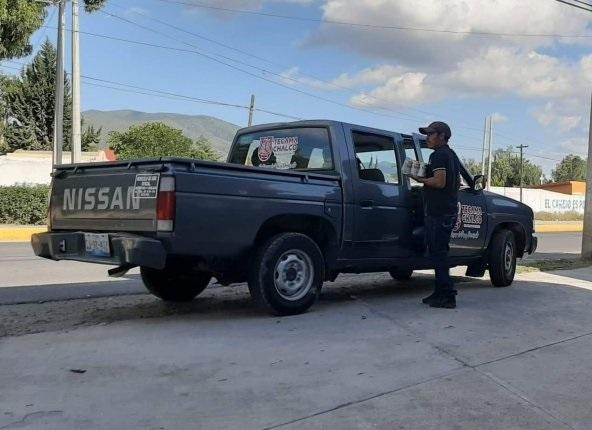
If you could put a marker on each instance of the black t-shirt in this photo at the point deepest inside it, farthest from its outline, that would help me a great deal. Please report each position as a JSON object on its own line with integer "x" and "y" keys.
{"x": 443, "y": 201}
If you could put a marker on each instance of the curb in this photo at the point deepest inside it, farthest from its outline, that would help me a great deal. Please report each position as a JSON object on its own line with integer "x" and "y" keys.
{"x": 565, "y": 227}
{"x": 23, "y": 233}
{"x": 19, "y": 234}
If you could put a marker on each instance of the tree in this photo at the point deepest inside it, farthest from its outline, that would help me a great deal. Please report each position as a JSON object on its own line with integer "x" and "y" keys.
{"x": 90, "y": 137}
{"x": 571, "y": 168}
{"x": 30, "y": 100}
{"x": 155, "y": 139}
{"x": 19, "y": 19}
{"x": 505, "y": 170}
{"x": 472, "y": 166}
{"x": 29, "y": 104}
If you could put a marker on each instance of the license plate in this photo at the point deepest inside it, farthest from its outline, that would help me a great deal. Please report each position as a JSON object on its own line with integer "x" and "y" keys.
{"x": 97, "y": 244}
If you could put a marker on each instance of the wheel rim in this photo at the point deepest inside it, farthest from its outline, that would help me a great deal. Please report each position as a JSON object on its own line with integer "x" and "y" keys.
{"x": 293, "y": 275}
{"x": 508, "y": 257}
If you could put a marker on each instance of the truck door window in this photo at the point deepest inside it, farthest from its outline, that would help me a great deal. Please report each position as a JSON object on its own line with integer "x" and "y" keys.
{"x": 376, "y": 158}
{"x": 289, "y": 148}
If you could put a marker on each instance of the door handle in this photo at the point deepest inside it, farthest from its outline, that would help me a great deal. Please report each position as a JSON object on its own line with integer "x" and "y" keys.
{"x": 367, "y": 204}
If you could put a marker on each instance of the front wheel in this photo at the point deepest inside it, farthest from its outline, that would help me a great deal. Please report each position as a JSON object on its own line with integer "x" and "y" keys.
{"x": 175, "y": 283}
{"x": 502, "y": 258}
{"x": 287, "y": 274}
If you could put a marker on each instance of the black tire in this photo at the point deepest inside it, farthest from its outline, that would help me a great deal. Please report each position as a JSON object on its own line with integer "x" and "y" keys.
{"x": 400, "y": 274}
{"x": 175, "y": 283}
{"x": 502, "y": 258}
{"x": 287, "y": 274}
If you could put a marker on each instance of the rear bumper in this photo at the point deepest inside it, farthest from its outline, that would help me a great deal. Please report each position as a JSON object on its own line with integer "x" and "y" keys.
{"x": 125, "y": 249}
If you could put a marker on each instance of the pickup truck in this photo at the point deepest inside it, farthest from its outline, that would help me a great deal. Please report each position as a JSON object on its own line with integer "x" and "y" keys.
{"x": 295, "y": 205}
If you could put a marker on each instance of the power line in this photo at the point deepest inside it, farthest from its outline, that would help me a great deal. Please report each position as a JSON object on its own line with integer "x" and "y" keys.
{"x": 42, "y": 34}
{"x": 370, "y": 26}
{"x": 212, "y": 58}
{"x": 260, "y": 69}
{"x": 161, "y": 94}
{"x": 589, "y": 8}
{"x": 582, "y": 2}
{"x": 250, "y": 54}
{"x": 281, "y": 76}
{"x": 174, "y": 96}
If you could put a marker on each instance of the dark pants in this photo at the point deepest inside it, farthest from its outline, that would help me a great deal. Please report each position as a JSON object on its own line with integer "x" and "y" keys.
{"x": 438, "y": 231}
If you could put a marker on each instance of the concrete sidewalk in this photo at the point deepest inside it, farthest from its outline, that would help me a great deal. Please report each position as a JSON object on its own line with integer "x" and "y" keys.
{"x": 369, "y": 355}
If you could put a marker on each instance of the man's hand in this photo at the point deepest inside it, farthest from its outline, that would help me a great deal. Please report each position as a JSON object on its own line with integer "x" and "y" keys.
{"x": 436, "y": 181}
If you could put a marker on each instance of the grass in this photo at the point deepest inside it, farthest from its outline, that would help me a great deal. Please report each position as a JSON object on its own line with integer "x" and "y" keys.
{"x": 552, "y": 216}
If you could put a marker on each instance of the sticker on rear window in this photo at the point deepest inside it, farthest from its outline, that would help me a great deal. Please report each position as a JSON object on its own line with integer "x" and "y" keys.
{"x": 278, "y": 146}
{"x": 146, "y": 185}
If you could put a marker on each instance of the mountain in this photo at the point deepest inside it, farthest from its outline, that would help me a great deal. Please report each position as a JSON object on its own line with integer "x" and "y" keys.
{"x": 220, "y": 133}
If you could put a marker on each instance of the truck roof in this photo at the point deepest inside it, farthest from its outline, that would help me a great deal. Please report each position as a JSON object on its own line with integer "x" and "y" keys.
{"x": 311, "y": 123}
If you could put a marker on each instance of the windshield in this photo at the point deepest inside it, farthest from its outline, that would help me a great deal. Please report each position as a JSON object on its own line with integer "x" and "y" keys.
{"x": 285, "y": 149}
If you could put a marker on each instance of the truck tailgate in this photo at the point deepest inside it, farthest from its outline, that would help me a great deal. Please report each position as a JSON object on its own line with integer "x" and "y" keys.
{"x": 112, "y": 198}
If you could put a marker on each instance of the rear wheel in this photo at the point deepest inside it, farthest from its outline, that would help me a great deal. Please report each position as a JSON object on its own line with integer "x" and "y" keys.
{"x": 502, "y": 258}
{"x": 401, "y": 274}
{"x": 175, "y": 283}
{"x": 287, "y": 274}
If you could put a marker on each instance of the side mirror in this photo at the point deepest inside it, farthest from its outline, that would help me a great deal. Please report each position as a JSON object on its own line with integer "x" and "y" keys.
{"x": 479, "y": 183}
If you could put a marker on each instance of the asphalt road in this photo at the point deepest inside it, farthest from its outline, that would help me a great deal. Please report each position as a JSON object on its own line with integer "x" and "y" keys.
{"x": 25, "y": 277}
{"x": 557, "y": 245}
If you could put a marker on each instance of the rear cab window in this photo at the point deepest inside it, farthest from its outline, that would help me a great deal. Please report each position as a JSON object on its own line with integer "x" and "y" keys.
{"x": 300, "y": 149}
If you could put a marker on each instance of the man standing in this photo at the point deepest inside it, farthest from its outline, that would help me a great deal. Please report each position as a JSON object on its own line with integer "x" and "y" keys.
{"x": 441, "y": 208}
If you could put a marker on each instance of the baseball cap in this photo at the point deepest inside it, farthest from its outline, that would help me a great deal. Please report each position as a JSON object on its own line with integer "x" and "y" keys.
{"x": 437, "y": 127}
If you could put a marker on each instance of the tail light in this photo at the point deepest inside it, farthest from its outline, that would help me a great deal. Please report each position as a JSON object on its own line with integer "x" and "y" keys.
{"x": 166, "y": 204}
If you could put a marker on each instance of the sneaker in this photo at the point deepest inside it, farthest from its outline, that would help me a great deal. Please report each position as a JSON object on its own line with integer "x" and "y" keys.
{"x": 427, "y": 300}
{"x": 448, "y": 302}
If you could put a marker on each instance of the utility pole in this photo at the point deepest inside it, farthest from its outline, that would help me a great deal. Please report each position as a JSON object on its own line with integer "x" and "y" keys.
{"x": 58, "y": 126}
{"x": 522, "y": 147}
{"x": 490, "y": 152}
{"x": 485, "y": 131}
{"x": 251, "y": 109}
{"x": 587, "y": 236}
{"x": 75, "y": 141}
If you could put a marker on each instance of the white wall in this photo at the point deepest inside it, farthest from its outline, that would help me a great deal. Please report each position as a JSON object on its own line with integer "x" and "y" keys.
{"x": 34, "y": 167}
{"x": 544, "y": 201}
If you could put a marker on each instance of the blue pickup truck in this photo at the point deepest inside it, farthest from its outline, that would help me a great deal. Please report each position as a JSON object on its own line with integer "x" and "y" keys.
{"x": 295, "y": 205}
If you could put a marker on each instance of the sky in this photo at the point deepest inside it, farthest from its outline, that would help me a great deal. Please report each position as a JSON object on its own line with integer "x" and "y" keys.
{"x": 408, "y": 63}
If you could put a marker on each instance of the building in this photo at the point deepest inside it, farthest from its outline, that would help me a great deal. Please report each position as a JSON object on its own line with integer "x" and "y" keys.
{"x": 573, "y": 188}
{"x": 34, "y": 167}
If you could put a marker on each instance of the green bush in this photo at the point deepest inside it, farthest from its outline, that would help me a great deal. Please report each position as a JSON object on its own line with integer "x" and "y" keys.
{"x": 22, "y": 204}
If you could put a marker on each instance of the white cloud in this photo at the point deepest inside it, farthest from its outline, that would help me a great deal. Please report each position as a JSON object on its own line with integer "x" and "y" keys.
{"x": 564, "y": 114}
{"x": 401, "y": 89}
{"x": 577, "y": 146}
{"x": 498, "y": 118}
{"x": 215, "y": 7}
{"x": 443, "y": 50}
{"x": 499, "y": 71}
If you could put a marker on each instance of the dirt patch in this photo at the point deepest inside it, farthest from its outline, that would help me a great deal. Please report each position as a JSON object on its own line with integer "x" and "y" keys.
{"x": 552, "y": 265}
